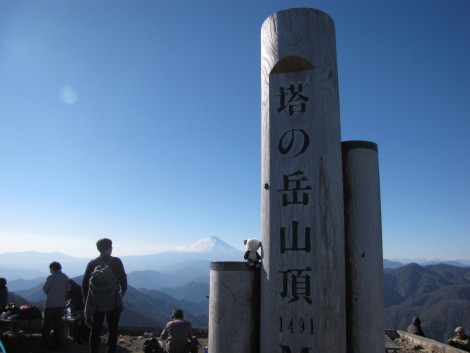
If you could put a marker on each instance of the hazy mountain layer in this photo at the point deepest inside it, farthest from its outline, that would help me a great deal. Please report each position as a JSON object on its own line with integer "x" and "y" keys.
{"x": 438, "y": 294}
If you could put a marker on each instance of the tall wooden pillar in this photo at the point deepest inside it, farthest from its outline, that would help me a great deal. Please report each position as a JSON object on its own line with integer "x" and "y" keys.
{"x": 303, "y": 273}
{"x": 364, "y": 259}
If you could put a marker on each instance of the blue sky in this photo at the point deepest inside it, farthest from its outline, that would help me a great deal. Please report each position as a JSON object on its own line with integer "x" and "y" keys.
{"x": 139, "y": 120}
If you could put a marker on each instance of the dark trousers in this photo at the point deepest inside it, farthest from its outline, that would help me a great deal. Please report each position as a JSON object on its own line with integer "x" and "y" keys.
{"x": 184, "y": 350}
{"x": 52, "y": 321}
{"x": 112, "y": 318}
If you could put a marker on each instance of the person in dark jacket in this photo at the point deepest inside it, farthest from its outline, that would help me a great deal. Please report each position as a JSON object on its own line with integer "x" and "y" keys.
{"x": 113, "y": 308}
{"x": 75, "y": 297}
{"x": 3, "y": 294}
{"x": 415, "y": 327}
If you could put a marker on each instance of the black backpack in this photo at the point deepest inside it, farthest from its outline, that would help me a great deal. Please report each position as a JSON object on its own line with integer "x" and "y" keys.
{"x": 80, "y": 331}
{"x": 152, "y": 345}
{"x": 193, "y": 344}
{"x": 104, "y": 288}
{"x": 103, "y": 276}
{"x": 29, "y": 312}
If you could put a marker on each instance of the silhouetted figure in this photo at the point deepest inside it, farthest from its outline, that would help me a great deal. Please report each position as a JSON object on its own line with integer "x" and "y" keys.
{"x": 75, "y": 297}
{"x": 415, "y": 327}
{"x": 3, "y": 294}
{"x": 104, "y": 284}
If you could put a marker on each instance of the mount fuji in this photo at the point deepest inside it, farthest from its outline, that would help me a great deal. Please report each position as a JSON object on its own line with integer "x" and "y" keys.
{"x": 200, "y": 253}
{"x": 210, "y": 245}
{"x": 31, "y": 264}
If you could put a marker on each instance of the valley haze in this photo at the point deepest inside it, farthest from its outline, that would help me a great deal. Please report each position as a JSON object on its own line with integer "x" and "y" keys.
{"x": 195, "y": 258}
{"x": 31, "y": 264}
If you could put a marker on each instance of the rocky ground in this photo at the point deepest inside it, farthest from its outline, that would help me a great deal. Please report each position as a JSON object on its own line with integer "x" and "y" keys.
{"x": 407, "y": 347}
{"x": 24, "y": 342}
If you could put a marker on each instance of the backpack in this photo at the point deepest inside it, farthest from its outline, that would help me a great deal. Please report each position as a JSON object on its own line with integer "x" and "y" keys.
{"x": 151, "y": 345}
{"x": 29, "y": 312}
{"x": 80, "y": 331}
{"x": 193, "y": 344}
{"x": 103, "y": 289}
{"x": 102, "y": 275}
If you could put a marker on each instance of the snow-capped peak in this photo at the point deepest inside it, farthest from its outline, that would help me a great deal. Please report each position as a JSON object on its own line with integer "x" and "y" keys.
{"x": 209, "y": 244}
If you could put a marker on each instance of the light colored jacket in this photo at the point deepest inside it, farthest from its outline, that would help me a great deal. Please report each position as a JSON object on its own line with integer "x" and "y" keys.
{"x": 56, "y": 289}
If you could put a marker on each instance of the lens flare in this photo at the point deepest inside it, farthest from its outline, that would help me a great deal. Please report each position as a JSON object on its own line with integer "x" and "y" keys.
{"x": 68, "y": 95}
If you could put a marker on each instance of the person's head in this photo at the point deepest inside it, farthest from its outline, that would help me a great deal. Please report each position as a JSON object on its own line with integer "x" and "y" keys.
{"x": 55, "y": 266}
{"x": 104, "y": 246}
{"x": 177, "y": 314}
{"x": 70, "y": 283}
{"x": 3, "y": 282}
{"x": 459, "y": 331}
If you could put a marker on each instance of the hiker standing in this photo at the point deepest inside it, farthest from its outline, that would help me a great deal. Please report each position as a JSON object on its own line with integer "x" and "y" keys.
{"x": 104, "y": 284}
{"x": 55, "y": 288}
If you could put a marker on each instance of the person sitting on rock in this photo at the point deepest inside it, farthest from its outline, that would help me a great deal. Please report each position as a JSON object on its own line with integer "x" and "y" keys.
{"x": 177, "y": 333}
{"x": 415, "y": 327}
{"x": 461, "y": 341}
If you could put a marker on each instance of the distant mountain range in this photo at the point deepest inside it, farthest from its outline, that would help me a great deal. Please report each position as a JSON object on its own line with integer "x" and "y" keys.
{"x": 424, "y": 262}
{"x": 143, "y": 307}
{"x": 438, "y": 294}
{"x": 32, "y": 264}
{"x": 195, "y": 257}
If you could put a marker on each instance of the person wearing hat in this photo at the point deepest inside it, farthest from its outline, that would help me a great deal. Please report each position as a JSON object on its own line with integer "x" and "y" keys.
{"x": 461, "y": 341}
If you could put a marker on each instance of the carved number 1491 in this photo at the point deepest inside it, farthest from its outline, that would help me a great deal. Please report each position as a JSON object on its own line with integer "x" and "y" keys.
{"x": 298, "y": 326}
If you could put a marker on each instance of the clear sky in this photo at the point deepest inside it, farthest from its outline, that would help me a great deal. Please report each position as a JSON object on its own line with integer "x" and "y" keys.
{"x": 139, "y": 120}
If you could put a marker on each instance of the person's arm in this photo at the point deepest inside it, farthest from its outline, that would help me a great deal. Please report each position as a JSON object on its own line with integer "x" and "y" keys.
{"x": 86, "y": 279}
{"x": 190, "y": 330}
{"x": 164, "y": 334}
{"x": 466, "y": 343}
{"x": 48, "y": 285}
{"x": 121, "y": 275}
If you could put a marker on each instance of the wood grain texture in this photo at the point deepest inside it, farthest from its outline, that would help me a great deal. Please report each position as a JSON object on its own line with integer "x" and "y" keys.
{"x": 303, "y": 274}
{"x": 234, "y": 308}
{"x": 364, "y": 259}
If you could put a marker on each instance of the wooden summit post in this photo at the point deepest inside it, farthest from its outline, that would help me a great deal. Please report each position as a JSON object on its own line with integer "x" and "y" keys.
{"x": 303, "y": 274}
{"x": 364, "y": 259}
{"x": 233, "y": 308}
